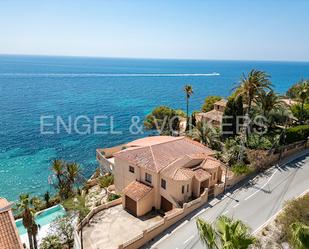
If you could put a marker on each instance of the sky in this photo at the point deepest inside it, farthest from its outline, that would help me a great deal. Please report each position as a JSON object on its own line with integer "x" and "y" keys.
{"x": 187, "y": 29}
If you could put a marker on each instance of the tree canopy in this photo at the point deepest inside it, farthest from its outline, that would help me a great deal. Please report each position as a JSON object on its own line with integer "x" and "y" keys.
{"x": 209, "y": 103}
{"x": 163, "y": 119}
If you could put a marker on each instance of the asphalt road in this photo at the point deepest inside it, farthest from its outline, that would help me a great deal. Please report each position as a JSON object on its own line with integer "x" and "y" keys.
{"x": 254, "y": 203}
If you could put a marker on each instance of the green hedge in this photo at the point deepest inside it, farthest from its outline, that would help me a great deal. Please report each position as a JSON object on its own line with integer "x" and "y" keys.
{"x": 297, "y": 133}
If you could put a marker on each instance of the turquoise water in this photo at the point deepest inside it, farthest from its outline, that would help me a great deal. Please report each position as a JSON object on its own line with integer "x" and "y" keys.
{"x": 43, "y": 218}
{"x": 71, "y": 86}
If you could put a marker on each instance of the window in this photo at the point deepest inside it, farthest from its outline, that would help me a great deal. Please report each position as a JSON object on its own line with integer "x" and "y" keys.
{"x": 148, "y": 178}
{"x": 163, "y": 183}
{"x": 188, "y": 188}
{"x": 182, "y": 189}
{"x": 214, "y": 176}
{"x": 131, "y": 169}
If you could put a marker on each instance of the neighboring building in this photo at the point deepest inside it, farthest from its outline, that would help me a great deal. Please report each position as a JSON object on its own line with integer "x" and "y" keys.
{"x": 214, "y": 116}
{"x": 289, "y": 102}
{"x": 9, "y": 237}
{"x": 161, "y": 172}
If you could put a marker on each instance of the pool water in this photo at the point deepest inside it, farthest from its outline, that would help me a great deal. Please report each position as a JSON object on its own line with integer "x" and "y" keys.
{"x": 43, "y": 218}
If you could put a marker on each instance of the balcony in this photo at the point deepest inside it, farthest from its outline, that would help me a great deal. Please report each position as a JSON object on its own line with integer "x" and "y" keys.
{"x": 106, "y": 158}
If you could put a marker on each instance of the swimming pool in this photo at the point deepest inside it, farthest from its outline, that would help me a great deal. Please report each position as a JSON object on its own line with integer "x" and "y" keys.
{"x": 43, "y": 218}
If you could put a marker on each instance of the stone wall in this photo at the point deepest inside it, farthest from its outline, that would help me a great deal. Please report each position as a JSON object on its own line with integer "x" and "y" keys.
{"x": 99, "y": 209}
{"x": 169, "y": 219}
{"x": 263, "y": 159}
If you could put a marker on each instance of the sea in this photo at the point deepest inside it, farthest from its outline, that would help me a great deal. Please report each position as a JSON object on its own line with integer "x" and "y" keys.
{"x": 67, "y": 107}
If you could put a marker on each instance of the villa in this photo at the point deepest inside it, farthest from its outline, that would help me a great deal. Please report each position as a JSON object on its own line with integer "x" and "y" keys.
{"x": 161, "y": 172}
{"x": 214, "y": 116}
{"x": 9, "y": 238}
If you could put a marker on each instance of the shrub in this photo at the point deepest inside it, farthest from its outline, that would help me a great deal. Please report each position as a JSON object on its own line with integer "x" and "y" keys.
{"x": 256, "y": 141}
{"x": 294, "y": 211}
{"x": 113, "y": 197}
{"x": 51, "y": 242}
{"x": 297, "y": 133}
{"x": 240, "y": 169}
{"x": 106, "y": 180}
{"x": 297, "y": 112}
{"x": 63, "y": 228}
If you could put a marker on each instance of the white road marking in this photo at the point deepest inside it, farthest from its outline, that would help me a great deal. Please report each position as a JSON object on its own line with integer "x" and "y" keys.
{"x": 160, "y": 240}
{"x": 180, "y": 226}
{"x": 225, "y": 212}
{"x": 200, "y": 212}
{"x": 272, "y": 217}
{"x": 187, "y": 240}
{"x": 247, "y": 198}
{"x": 236, "y": 205}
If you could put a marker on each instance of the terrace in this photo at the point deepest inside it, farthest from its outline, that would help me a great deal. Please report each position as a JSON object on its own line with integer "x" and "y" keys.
{"x": 106, "y": 159}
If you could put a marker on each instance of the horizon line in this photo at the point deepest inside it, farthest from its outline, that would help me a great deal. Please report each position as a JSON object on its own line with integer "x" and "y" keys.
{"x": 152, "y": 58}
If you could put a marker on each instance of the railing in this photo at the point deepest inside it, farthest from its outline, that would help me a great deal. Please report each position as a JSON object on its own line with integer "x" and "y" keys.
{"x": 77, "y": 241}
{"x": 104, "y": 162}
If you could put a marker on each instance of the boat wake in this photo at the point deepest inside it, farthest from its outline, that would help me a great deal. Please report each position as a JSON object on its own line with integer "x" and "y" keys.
{"x": 108, "y": 75}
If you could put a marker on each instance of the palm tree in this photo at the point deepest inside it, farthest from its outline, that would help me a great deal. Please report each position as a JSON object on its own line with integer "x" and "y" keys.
{"x": 234, "y": 233}
{"x": 207, "y": 234}
{"x": 47, "y": 199}
{"x": 67, "y": 175}
{"x": 36, "y": 202}
{"x": 300, "y": 236}
{"x": 206, "y": 135}
{"x": 73, "y": 174}
{"x": 228, "y": 234}
{"x": 58, "y": 169}
{"x": 302, "y": 95}
{"x": 268, "y": 101}
{"x": 25, "y": 207}
{"x": 78, "y": 204}
{"x": 251, "y": 85}
{"x": 188, "y": 91}
{"x": 270, "y": 105}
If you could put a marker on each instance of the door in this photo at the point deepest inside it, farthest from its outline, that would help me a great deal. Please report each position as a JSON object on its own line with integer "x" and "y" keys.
{"x": 166, "y": 205}
{"x": 131, "y": 205}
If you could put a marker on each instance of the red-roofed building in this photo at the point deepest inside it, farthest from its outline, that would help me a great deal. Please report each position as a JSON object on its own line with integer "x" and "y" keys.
{"x": 160, "y": 172}
{"x": 9, "y": 237}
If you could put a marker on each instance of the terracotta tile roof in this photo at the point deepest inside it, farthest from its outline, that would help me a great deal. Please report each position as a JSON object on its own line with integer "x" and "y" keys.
{"x": 152, "y": 140}
{"x": 156, "y": 153}
{"x": 9, "y": 238}
{"x": 182, "y": 174}
{"x": 212, "y": 115}
{"x": 137, "y": 190}
{"x": 211, "y": 163}
{"x": 201, "y": 175}
{"x": 221, "y": 102}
